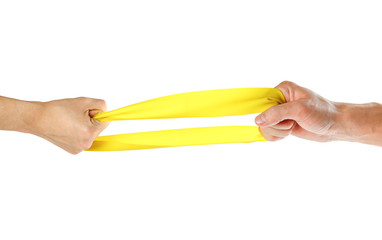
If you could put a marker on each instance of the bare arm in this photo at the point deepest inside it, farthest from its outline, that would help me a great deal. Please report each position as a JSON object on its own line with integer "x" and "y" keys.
{"x": 67, "y": 123}
{"x": 308, "y": 115}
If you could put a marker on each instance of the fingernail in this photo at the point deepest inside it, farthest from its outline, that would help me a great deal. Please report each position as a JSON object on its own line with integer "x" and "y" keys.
{"x": 260, "y": 119}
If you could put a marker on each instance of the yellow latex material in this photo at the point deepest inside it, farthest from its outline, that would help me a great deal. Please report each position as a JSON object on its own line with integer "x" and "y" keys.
{"x": 211, "y": 103}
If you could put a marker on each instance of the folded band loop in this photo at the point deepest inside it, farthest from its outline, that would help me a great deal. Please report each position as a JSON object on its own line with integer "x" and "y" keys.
{"x": 210, "y": 103}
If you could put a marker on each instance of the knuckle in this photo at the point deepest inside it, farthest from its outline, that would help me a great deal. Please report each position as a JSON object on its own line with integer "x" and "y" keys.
{"x": 85, "y": 144}
{"x": 74, "y": 151}
{"x": 281, "y": 133}
{"x": 302, "y": 108}
{"x": 93, "y": 133}
{"x": 273, "y": 138}
{"x": 286, "y": 133}
{"x": 83, "y": 99}
{"x": 102, "y": 103}
{"x": 86, "y": 138}
{"x": 270, "y": 134}
{"x": 285, "y": 124}
{"x": 289, "y": 125}
{"x": 375, "y": 104}
{"x": 287, "y": 83}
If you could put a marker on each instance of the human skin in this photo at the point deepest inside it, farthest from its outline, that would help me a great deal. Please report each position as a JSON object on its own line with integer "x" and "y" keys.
{"x": 309, "y": 116}
{"x": 67, "y": 123}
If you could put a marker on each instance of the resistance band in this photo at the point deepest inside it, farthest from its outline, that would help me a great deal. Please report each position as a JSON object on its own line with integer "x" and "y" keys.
{"x": 211, "y": 103}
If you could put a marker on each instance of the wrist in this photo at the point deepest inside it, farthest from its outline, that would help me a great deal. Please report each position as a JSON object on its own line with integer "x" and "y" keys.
{"x": 18, "y": 115}
{"x": 29, "y": 116}
{"x": 358, "y": 123}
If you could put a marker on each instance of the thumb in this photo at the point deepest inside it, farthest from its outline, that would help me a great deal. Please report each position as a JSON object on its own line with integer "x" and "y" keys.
{"x": 278, "y": 113}
{"x": 93, "y": 112}
{"x": 96, "y": 123}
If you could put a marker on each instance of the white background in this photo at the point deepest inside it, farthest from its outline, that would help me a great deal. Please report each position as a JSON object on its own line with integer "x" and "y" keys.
{"x": 129, "y": 51}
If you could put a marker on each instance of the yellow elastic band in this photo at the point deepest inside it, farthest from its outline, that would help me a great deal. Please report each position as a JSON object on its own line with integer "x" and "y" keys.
{"x": 211, "y": 103}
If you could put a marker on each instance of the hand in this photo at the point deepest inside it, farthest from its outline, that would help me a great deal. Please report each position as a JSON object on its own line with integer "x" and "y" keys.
{"x": 68, "y": 123}
{"x": 308, "y": 115}
{"x": 305, "y": 114}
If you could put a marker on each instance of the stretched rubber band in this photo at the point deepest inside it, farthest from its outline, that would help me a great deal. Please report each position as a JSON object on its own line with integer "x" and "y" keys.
{"x": 210, "y": 103}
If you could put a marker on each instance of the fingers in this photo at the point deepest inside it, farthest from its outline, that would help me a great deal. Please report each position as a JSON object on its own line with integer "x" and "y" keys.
{"x": 272, "y": 134}
{"x": 92, "y": 106}
{"x": 296, "y": 110}
{"x": 68, "y": 123}
{"x": 278, "y": 122}
{"x": 90, "y": 133}
{"x": 284, "y": 125}
{"x": 288, "y": 88}
{"x": 278, "y": 131}
{"x": 91, "y": 103}
{"x": 98, "y": 104}
{"x": 292, "y": 91}
{"x": 96, "y": 123}
{"x": 93, "y": 112}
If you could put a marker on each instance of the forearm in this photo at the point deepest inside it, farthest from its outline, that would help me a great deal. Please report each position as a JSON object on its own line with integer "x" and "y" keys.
{"x": 359, "y": 123}
{"x": 67, "y": 123}
{"x": 18, "y": 115}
